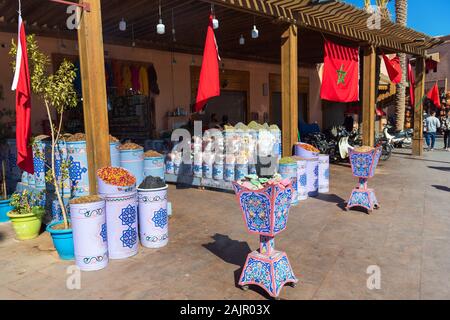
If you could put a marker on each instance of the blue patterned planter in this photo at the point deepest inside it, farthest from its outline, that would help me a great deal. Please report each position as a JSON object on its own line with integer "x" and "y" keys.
{"x": 364, "y": 163}
{"x": 266, "y": 213}
{"x": 324, "y": 173}
{"x": 277, "y": 147}
{"x": 78, "y": 170}
{"x": 289, "y": 171}
{"x": 115, "y": 154}
{"x": 24, "y": 178}
{"x": 302, "y": 179}
{"x": 13, "y": 171}
{"x": 133, "y": 161}
{"x": 153, "y": 217}
{"x": 122, "y": 225}
{"x": 61, "y": 155}
{"x": 39, "y": 164}
{"x": 57, "y": 215}
{"x": 90, "y": 235}
{"x": 154, "y": 166}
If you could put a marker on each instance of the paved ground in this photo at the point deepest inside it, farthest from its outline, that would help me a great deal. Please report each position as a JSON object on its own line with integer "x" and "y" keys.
{"x": 330, "y": 250}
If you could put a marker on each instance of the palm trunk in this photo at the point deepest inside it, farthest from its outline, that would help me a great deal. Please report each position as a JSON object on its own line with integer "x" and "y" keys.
{"x": 401, "y": 10}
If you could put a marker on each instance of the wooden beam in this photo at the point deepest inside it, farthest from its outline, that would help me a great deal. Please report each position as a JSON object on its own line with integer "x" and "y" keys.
{"x": 289, "y": 88}
{"x": 419, "y": 93}
{"x": 92, "y": 65}
{"x": 368, "y": 96}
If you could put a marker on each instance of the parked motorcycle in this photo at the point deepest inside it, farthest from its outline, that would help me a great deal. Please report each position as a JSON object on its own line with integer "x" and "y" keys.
{"x": 399, "y": 139}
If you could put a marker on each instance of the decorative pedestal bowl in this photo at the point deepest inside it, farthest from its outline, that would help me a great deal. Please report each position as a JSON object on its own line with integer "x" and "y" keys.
{"x": 266, "y": 213}
{"x": 363, "y": 167}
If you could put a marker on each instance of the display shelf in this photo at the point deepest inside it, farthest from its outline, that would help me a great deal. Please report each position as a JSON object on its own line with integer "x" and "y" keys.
{"x": 199, "y": 182}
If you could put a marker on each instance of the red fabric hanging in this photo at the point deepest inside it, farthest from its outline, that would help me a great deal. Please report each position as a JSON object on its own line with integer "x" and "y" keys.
{"x": 340, "y": 73}
{"x": 380, "y": 112}
{"x": 433, "y": 95}
{"x": 21, "y": 84}
{"x": 393, "y": 68}
{"x": 412, "y": 85}
{"x": 209, "y": 85}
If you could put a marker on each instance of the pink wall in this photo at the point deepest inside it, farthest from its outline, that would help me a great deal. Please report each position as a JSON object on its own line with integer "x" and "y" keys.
{"x": 166, "y": 101}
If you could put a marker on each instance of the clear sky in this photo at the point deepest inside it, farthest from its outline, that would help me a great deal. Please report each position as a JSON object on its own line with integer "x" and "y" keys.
{"x": 428, "y": 16}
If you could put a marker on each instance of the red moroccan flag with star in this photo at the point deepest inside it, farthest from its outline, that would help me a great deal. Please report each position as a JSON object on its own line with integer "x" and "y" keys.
{"x": 340, "y": 81}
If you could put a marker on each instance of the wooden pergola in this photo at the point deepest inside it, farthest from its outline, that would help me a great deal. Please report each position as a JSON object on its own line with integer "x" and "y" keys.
{"x": 293, "y": 33}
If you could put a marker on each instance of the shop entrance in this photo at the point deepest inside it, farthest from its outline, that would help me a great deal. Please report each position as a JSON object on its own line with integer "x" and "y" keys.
{"x": 275, "y": 99}
{"x": 230, "y": 103}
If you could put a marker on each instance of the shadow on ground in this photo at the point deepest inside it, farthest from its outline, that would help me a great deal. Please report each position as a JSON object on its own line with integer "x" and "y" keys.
{"x": 440, "y": 168}
{"x": 442, "y": 188}
{"x": 233, "y": 252}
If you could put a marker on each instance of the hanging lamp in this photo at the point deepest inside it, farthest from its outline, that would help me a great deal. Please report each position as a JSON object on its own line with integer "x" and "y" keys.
{"x": 160, "y": 28}
{"x": 122, "y": 25}
{"x": 255, "y": 31}
{"x": 242, "y": 40}
{"x": 215, "y": 21}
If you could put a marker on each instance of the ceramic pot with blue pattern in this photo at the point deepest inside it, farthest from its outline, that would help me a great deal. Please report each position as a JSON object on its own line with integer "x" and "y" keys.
{"x": 122, "y": 225}
{"x": 153, "y": 217}
{"x": 114, "y": 154}
{"x": 265, "y": 211}
{"x": 364, "y": 163}
{"x": 78, "y": 170}
{"x": 90, "y": 235}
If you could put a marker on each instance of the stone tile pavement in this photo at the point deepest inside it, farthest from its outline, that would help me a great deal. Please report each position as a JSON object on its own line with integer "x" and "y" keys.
{"x": 330, "y": 249}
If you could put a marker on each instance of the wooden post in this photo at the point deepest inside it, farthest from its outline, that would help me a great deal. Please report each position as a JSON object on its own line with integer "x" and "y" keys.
{"x": 368, "y": 96}
{"x": 92, "y": 65}
{"x": 419, "y": 92}
{"x": 289, "y": 88}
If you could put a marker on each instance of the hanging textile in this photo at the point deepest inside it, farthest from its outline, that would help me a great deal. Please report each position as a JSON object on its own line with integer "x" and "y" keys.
{"x": 21, "y": 84}
{"x": 341, "y": 73}
{"x": 393, "y": 68}
{"x": 118, "y": 81}
{"x": 136, "y": 85}
{"x": 434, "y": 96}
{"x": 126, "y": 78}
{"x": 153, "y": 80}
{"x": 412, "y": 85}
{"x": 209, "y": 85}
{"x": 143, "y": 79}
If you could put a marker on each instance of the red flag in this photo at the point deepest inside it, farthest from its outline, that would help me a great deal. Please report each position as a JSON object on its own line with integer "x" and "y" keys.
{"x": 340, "y": 73}
{"x": 412, "y": 84}
{"x": 21, "y": 84}
{"x": 433, "y": 95}
{"x": 393, "y": 68}
{"x": 209, "y": 85}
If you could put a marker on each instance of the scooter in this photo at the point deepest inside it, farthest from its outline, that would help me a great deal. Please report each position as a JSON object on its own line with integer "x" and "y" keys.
{"x": 400, "y": 139}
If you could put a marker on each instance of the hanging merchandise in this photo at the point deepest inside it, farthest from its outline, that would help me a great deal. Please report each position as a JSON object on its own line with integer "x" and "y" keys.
{"x": 126, "y": 78}
{"x": 393, "y": 68}
{"x": 136, "y": 85}
{"x": 143, "y": 80}
{"x": 209, "y": 85}
{"x": 153, "y": 80}
{"x": 340, "y": 75}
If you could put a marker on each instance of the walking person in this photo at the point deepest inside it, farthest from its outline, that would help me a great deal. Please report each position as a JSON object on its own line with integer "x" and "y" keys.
{"x": 432, "y": 125}
{"x": 445, "y": 127}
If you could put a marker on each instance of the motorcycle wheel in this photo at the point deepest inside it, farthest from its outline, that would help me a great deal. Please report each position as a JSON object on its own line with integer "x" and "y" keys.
{"x": 386, "y": 152}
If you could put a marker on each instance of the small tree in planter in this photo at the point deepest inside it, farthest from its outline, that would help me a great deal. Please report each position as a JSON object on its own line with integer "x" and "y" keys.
{"x": 58, "y": 94}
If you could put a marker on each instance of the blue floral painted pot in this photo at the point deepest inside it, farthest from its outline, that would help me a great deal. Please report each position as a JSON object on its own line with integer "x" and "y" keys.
{"x": 265, "y": 211}
{"x": 364, "y": 163}
{"x": 78, "y": 170}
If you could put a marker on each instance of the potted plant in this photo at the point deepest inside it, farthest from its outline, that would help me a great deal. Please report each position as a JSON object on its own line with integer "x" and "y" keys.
{"x": 5, "y": 202}
{"x": 27, "y": 213}
{"x": 58, "y": 94}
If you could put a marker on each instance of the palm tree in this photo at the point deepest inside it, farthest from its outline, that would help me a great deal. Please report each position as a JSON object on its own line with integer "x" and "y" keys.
{"x": 401, "y": 12}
